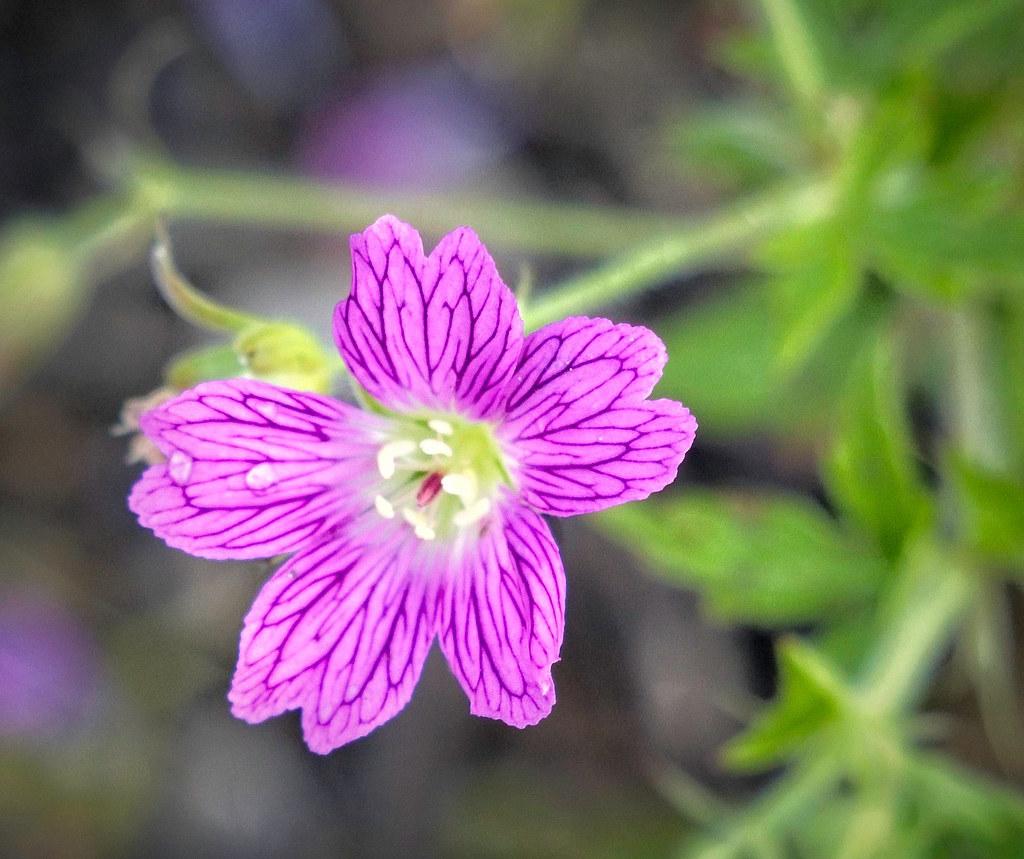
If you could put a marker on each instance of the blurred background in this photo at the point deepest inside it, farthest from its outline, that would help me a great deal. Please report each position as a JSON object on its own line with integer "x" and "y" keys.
{"x": 819, "y": 333}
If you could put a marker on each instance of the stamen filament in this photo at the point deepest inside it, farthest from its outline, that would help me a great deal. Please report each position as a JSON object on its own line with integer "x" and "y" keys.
{"x": 420, "y": 525}
{"x": 473, "y": 513}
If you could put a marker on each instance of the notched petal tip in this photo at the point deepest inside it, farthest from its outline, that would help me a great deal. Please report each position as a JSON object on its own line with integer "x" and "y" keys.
{"x": 340, "y": 632}
{"x": 503, "y": 621}
{"x": 439, "y": 331}
{"x": 389, "y": 229}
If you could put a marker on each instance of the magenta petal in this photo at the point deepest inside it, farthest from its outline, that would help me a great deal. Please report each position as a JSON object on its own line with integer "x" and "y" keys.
{"x": 503, "y": 618}
{"x": 342, "y": 631}
{"x": 579, "y": 425}
{"x": 253, "y": 470}
{"x": 439, "y": 332}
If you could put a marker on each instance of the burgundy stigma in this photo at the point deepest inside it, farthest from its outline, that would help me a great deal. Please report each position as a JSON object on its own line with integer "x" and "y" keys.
{"x": 429, "y": 490}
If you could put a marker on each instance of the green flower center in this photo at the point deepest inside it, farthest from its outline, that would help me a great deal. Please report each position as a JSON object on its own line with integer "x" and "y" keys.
{"x": 441, "y": 474}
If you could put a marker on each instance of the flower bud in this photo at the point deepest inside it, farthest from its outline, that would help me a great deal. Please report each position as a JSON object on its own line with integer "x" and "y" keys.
{"x": 284, "y": 354}
{"x": 39, "y": 296}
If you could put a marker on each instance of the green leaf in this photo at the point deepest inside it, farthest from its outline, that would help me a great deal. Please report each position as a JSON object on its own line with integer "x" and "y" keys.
{"x": 768, "y": 560}
{"x": 812, "y": 695}
{"x": 724, "y": 364}
{"x": 816, "y": 283}
{"x": 992, "y": 507}
{"x": 871, "y": 470}
{"x": 742, "y": 146}
{"x": 849, "y": 639}
{"x": 942, "y": 242}
{"x": 721, "y": 361}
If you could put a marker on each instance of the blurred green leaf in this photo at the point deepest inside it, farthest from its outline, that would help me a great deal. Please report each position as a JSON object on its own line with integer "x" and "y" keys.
{"x": 848, "y": 639}
{"x": 815, "y": 284}
{"x": 866, "y": 43}
{"x": 871, "y": 470}
{"x": 724, "y": 364}
{"x": 748, "y": 53}
{"x": 919, "y": 32}
{"x": 953, "y": 801}
{"x": 942, "y": 241}
{"x": 742, "y": 146}
{"x": 811, "y": 696}
{"x": 764, "y": 559}
{"x": 961, "y": 117}
{"x": 992, "y": 507}
{"x": 721, "y": 362}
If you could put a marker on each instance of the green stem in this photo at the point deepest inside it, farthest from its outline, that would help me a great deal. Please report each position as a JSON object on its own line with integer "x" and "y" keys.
{"x": 768, "y": 817}
{"x": 946, "y": 590}
{"x": 924, "y": 619}
{"x": 731, "y": 231}
{"x": 796, "y": 50}
{"x": 279, "y": 202}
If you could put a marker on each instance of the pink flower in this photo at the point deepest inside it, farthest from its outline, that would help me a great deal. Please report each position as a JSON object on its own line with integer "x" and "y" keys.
{"x": 421, "y": 518}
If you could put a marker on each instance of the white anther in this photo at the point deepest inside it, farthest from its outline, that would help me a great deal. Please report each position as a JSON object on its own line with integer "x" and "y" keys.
{"x": 420, "y": 526}
{"x": 441, "y": 427}
{"x": 462, "y": 486}
{"x": 384, "y": 507}
{"x": 473, "y": 513}
{"x": 391, "y": 451}
{"x": 435, "y": 447}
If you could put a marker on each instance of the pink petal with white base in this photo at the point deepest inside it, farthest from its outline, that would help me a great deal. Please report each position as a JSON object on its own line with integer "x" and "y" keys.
{"x": 439, "y": 332}
{"x": 341, "y": 631}
{"x": 579, "y": 425}
{"x": 504, "y": 615}
{"x": 253, "y": 470}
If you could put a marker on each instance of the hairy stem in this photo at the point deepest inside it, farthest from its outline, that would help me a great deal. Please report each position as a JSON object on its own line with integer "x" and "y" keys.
{"x": 731, "y": 231}
{"x": 281, "y": 202}
{"x": 767, "y": 818}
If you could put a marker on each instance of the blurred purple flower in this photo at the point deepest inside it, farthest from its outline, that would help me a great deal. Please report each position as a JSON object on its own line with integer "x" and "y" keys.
{"x": 423, "y": 129}
{"x": 48, "y": 667}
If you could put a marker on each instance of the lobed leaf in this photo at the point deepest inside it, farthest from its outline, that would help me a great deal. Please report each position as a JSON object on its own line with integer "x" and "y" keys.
{"x": 770, "y": 560}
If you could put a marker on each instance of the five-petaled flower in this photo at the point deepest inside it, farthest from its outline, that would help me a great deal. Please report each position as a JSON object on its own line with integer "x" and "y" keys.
{"x": 421, "y": 518}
